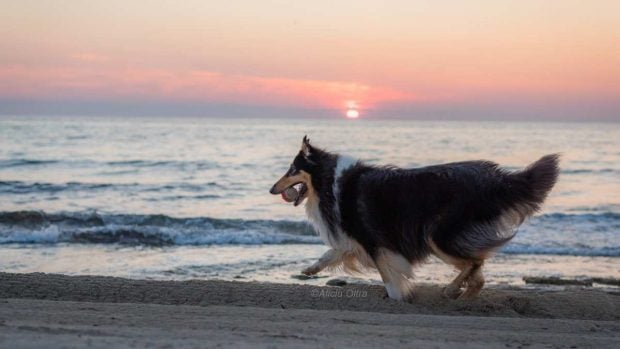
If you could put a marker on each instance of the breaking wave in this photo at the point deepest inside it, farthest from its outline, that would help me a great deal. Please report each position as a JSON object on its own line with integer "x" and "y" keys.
{"x": 152, "y": 230}
{"x": 585, "y": 234}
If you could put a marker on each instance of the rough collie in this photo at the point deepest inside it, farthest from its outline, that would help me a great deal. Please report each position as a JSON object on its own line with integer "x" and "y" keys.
{"x": 391, "y": 218}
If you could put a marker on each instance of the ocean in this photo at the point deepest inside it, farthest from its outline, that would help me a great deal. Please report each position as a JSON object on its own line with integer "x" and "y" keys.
{"x": 183, "y": 198}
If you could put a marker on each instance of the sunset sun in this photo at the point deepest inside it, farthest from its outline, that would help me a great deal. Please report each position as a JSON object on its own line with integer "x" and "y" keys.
{"x": 353, "y": 113}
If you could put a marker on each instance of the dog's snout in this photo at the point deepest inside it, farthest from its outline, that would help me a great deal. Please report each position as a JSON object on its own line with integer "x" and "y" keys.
{"x": 273, "y": 190}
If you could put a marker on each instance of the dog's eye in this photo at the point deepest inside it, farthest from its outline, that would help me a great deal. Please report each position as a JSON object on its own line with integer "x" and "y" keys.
{"x": 291, "y": 170}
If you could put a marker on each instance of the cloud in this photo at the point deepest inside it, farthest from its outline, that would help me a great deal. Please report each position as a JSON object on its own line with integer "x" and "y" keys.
{"x": 95, "y": 84}
{"x": 89, "y": 57}
{"x": 94, "y": 80}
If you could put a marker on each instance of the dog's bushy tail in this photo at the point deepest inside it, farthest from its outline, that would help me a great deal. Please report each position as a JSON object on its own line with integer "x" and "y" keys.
{"x": 532, "y": 185}
{"x": 516, "y": 196}
{"x": 522, "y": 193}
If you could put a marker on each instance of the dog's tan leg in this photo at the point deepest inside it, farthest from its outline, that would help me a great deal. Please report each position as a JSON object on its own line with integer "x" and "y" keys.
{"x": 470, "y": 275}
{"x": 453, "y": 290}
{"x": 396, "y": 272}
{"x": 330, "y": 258}
{"x": 475, "y": 282}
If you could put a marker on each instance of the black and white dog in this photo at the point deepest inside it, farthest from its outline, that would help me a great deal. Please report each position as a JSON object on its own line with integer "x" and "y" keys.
{"x": 391, "y": 218}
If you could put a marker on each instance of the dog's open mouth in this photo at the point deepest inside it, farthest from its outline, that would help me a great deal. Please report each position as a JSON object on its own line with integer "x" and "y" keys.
{"x": 295, "y": 193}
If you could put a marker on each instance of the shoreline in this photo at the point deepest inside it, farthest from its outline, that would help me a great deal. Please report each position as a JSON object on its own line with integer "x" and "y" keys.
{"x": 98, "y": 311}
{"x": 278, "y": 263}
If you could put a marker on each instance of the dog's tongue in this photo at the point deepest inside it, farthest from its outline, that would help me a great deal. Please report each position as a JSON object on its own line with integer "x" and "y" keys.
{"x": 290, "y": 194}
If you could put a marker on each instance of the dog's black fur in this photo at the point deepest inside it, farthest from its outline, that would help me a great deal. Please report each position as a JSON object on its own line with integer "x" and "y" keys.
{"x": 400, "y": 209}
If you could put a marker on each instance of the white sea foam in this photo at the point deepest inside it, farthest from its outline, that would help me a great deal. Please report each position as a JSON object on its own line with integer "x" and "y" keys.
{"x": 554, "y": 234}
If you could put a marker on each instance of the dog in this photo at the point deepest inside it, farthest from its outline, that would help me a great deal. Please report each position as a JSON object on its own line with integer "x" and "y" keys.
{"x": 391, "y": 219}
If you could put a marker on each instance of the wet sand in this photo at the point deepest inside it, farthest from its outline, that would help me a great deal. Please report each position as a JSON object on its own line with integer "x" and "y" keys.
{"x": 89, "y": 311}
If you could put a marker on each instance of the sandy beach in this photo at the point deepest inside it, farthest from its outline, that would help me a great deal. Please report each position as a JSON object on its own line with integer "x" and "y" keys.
{"x": 91, "y": 311}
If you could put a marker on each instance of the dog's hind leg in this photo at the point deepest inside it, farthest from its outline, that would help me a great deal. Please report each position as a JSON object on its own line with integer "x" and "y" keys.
{"x": 475, "y": 282}
{"x": 396, "y": 272}
{"x": 470, "y": 275}
{"x": 329, "y": 259}
{"x": 453, "y": 290}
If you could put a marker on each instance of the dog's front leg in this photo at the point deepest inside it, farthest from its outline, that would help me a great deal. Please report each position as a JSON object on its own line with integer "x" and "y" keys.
{"x": 328, "y": 259}
{"x": 396, "y": 272}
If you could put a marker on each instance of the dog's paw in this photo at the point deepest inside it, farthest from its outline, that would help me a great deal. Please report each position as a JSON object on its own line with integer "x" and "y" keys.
{"x": 452, "y": 292}
{"x": 311, "y": 270}
{"x": 470, "y": 293}
{"x": 410, "y": 298}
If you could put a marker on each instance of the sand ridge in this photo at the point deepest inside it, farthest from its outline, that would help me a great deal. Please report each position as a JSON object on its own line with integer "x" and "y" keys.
{"x": 53, "y": 311}
{"x": 567, "y": 303}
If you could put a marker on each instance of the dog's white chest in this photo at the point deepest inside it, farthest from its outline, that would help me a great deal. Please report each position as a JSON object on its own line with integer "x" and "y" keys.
{"x": 334, "y": 238}
{"x": 316, "y": 218}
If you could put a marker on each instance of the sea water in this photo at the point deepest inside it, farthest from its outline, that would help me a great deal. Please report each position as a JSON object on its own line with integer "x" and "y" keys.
{"x": 181, "y": 198}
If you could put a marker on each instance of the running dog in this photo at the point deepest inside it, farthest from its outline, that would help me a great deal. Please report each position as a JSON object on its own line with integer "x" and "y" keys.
{"x": 391, "y": 218}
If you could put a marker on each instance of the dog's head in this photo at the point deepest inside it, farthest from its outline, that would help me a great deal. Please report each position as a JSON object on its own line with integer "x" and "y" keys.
{"x": 299, "y": 174}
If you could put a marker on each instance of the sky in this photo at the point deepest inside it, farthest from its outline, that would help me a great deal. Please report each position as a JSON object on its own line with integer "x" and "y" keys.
{"x": 439, "y": 59}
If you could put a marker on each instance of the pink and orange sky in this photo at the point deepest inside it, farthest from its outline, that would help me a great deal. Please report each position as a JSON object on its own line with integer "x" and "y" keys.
{"x": 550, "y": 60}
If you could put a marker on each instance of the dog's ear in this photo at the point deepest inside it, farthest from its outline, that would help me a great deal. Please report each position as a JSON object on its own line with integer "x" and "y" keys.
{"x": 306, "y": 148}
